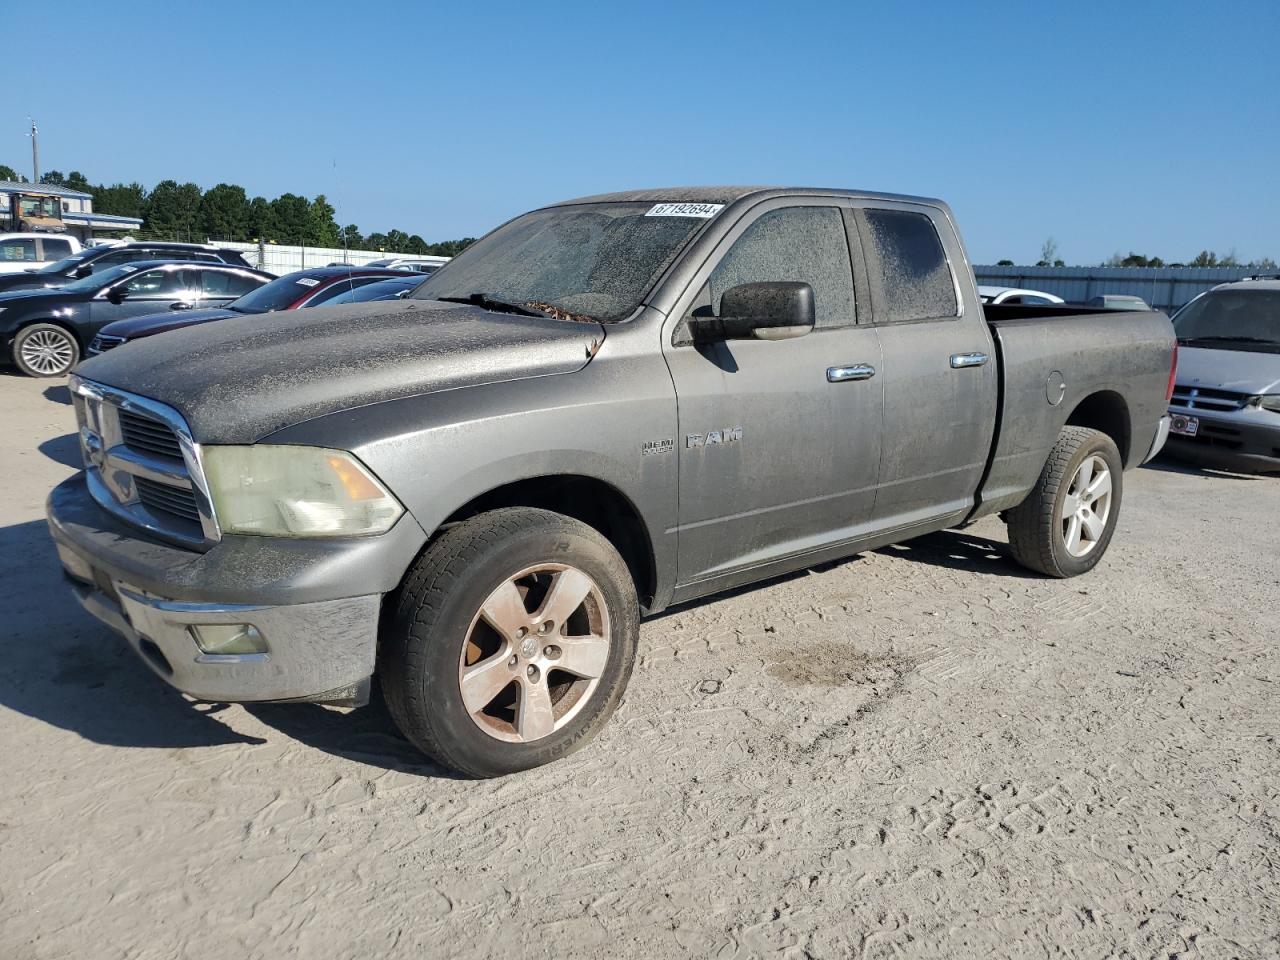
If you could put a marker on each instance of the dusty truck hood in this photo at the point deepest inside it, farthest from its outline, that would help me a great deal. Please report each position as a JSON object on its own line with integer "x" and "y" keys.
{"x": 245, "y": 377}
{"x": 1240, "y": 371}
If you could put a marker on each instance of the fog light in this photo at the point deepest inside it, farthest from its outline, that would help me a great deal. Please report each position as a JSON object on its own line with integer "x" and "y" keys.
{"x": 229, "y": 638}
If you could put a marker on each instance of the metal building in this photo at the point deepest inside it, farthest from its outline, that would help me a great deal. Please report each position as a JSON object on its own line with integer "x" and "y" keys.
{"x": 1165, "y": 288}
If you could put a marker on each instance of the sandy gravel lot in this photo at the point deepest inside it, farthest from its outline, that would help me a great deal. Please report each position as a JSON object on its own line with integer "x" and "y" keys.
{"x": 921, "y": 752}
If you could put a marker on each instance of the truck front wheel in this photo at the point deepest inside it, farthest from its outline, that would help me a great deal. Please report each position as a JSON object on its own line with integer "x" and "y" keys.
{"x": 1064, "y": 526}
{"x": 510, "y": 641}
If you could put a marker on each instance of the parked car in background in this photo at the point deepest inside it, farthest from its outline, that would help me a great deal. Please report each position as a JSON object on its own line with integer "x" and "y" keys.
{"x": 305, "y": 288}
{"x": 89, "y": 259}
{"x": 1016, "y": 296}
{"x": 1226, "y": 404}
{"x": 30, "y": 251}
{"x": 45, "y": 331}
{"x": 601, "y": 408}
{"x": 390, "y": 289}
{"x": 1115, "y": 301}
{"x": 416, "y": 264}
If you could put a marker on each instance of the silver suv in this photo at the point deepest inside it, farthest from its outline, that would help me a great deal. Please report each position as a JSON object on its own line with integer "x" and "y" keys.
{"x": 1226, "y": 404}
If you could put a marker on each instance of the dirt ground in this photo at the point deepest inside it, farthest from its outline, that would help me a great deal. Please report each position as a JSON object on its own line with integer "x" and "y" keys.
{"x": 921, "y": 752}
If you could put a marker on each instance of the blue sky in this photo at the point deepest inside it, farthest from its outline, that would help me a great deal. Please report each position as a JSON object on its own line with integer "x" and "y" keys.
{"x": 1110, "y": 127}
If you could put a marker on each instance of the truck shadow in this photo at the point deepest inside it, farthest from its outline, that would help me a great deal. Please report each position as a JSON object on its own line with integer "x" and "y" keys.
{"x": 366, "y": 734}
{"x": 64, "y": 668}
{"x": 1167, "y": 463}
{"x": 64, "y": 450}
{"x": 961, "y": 550}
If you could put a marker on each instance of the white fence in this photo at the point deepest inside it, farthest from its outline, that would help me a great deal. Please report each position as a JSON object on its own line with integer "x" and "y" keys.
{"x": 279, "y": 259}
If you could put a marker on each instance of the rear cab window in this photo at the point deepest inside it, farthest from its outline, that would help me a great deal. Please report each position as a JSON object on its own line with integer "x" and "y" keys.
{"x": 910, "y": 275}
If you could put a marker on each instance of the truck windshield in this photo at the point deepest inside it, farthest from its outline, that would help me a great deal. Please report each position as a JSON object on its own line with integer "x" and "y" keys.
{"x": 1231, "y": 317}
{"x": 39, "y": 207}
{"x": 66, "y": 264}
{"x": 99, "y": 279}
{"x": 591, "y": 260}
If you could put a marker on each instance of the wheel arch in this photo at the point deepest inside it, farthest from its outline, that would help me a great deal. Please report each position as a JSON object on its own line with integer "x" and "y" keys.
{"x": 590, "y": 500}
{"x": 1107, "y": 412}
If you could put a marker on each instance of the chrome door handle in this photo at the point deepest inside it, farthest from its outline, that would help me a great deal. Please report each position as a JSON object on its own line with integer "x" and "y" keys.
{"x": 859, "y": 371}
{"x": 960, "y": 360}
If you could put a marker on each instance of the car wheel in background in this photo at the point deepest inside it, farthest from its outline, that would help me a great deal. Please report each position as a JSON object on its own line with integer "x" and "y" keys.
{"x": 45, "y": 350}
{"x": 1065, "y": 525}
{"x": 510, "y": 642}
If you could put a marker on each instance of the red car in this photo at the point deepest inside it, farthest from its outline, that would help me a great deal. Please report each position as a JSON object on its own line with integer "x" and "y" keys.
{"x": 305, "y": 288}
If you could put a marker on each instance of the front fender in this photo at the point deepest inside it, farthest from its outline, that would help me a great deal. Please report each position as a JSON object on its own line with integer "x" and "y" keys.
{"x": 437, "y": 452}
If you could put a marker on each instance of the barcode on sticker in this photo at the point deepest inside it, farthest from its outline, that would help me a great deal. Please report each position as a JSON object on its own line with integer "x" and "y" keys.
{"x": 307, "y": 281}
{"x": 703, "y": 211}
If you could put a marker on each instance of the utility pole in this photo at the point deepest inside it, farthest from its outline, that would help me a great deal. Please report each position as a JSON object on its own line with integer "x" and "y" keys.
{"x": 35, "y": 152}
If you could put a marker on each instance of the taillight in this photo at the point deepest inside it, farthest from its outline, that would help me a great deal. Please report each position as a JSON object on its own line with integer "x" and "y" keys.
{"x": 1173, "y": 372}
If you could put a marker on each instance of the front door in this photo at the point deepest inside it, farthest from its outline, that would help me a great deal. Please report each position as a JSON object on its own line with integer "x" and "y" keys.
{"x": 157, "y": 290}
{"x": 939, "y": 367}
{"x": 779, "y": 440}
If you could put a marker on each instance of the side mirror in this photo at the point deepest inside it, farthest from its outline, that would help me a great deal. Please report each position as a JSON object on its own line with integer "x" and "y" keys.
{"x": 117, "y": 294}
{"x": 777, "y": 310}
{"x": 83, "y": 270}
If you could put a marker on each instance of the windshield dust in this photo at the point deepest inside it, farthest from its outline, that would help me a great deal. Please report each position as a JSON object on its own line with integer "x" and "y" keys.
{"x": 593, "y": 261}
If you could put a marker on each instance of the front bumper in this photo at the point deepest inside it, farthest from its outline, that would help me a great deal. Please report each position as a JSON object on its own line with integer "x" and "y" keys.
{"x": 315, "y": 603}
{"x": 1233, "y": 442}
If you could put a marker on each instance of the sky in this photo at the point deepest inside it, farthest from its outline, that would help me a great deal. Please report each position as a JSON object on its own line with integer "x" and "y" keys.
{"x": 1109, "y": 127}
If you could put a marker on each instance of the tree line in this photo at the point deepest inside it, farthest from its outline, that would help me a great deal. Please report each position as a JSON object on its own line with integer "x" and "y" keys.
{"x": 182, "y": 211}
{"x": 1205, "y": 258}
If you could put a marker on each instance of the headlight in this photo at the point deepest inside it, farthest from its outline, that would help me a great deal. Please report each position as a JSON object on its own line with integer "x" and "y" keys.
{"x": 1270, "y": 402}
{"x": 281, "y": 491}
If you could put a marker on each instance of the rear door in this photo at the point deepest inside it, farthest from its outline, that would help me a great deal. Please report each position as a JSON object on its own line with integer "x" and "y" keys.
{"x": 220, "y": 287}
{"x": 938, "y": 363}
{"x": 779, "y": 450}
{"x": 53, "y": 249}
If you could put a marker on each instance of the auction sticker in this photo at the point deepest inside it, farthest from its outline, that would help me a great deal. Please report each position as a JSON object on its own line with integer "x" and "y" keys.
{"x": 703, "y": 211}
{"x": 307, "y": 281}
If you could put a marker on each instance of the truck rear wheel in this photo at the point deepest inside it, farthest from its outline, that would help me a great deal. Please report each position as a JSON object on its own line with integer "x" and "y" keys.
{"x": 511, "y": 641}
{"x": 1064, "y": 526}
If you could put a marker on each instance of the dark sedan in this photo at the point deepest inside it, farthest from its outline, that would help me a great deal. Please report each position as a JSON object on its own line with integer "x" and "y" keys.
{"x": 91, "y": 259}
{"x": 305, "y": 288}
{"x": 45, "y": 330}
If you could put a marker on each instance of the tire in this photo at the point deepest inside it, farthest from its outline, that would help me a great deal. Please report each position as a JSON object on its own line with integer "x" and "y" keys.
{"x": 1040, "y": 535}
{"x": 45, "y": 350}
{"x": 455, "y": 622}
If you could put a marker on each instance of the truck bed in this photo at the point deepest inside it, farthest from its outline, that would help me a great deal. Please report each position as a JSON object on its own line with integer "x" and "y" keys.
{"x": 1077, "y": 356}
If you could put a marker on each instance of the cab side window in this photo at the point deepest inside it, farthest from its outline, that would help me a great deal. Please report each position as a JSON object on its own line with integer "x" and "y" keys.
{"x": 217, "y": 284}
{"x": 156, "y": 283}
{"x": 805, "y": 244}
{"x": 17, "y": 250}
{"x": 908, "y": 267}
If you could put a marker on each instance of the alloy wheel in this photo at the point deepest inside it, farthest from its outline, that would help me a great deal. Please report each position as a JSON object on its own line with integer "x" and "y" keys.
{"x": 534, "y": 653}
{"x": 48, "y": 352}
{"x": 1086, "y": 507}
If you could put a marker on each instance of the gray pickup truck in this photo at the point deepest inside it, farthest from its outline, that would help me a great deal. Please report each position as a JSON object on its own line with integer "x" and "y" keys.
{"x": 599, "y": 409}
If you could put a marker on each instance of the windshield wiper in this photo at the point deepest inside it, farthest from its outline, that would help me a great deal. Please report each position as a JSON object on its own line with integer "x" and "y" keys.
{"x": 489, "y": 303}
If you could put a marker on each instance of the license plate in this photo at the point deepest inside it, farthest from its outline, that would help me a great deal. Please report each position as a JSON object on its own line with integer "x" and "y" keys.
{"x": 1184, "y": 426}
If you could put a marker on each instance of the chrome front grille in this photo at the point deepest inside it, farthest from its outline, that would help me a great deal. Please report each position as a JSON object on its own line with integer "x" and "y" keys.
{"x": 1207, "y": 399}
{"x": 167, "y": 499}
{"x": 142, "y": 464}
{"x": 101, "y": 343}
{"x": 149, "y": 436}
